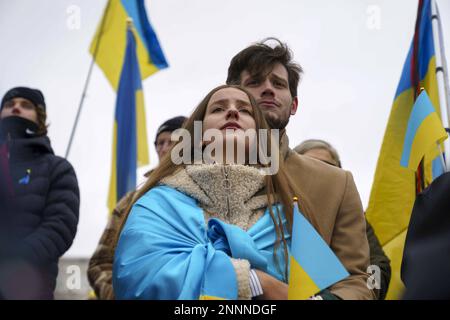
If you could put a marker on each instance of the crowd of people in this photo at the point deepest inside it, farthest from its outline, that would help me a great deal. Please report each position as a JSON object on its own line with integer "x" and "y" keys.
{"x": 218, "y": 227}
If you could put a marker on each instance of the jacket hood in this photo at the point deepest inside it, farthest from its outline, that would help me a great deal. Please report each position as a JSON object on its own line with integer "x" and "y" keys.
{"x": 23, "y": 142}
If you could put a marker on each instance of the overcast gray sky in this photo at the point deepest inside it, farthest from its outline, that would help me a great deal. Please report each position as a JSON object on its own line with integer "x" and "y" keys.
{"x": 352, "y": 52}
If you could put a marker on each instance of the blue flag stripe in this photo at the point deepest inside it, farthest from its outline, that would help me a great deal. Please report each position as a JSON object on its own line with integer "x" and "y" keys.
{"x": 426, "y": 51}
{"x": 437, "y": 167}
{"x": 136, "y": 10}
{"x": 125, "y": 117}
{"x": 314, "y": 255}
{"x": 421, "y": 109}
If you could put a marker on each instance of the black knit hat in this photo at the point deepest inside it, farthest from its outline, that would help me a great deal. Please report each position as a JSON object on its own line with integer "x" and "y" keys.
{"x": 34, "y": 95}
{"x": 171, "y": 125}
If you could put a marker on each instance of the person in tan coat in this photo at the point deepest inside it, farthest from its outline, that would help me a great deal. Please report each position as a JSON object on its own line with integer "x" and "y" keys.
{"x": 271, "y": 76}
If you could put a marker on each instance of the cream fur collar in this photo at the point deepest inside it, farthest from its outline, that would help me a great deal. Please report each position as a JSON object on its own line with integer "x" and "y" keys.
{"x": 227, "y": 192}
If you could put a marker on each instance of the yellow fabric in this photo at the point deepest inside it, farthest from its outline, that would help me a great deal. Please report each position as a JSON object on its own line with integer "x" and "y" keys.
{"x": 112, "y": 196}
{"x": 393, "y": 191}
{"x": 111, "y": 50}
{"x": 141, "y": 131}
{"x": 394, "y": 250}
{"x": 210, "y": 298}
{"x": 301, "y": 286}
{"x": 430, "y": 131}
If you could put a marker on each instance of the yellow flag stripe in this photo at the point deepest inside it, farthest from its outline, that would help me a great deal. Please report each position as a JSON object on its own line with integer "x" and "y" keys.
{"x": 112, "y": 196}
{"x": 394, "y": 250}
{"x": 429, "y": 133}
{"x": 210, "y": 298}
{"x": 141, "y": 131}
{"x": 111, "y": 49}
{"x": 301, "y": 286}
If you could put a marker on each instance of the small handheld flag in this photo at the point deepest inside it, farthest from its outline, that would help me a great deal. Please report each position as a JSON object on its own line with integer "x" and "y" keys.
{"x": 314, "y": 266}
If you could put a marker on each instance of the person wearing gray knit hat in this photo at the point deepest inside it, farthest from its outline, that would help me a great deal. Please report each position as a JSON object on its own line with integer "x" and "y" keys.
{"x": 162, "y": 140}
{"x": 100, "y": 264}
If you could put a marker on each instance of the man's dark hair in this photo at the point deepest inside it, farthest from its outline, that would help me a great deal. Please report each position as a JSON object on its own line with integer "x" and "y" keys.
{"x": 259, "y": 59}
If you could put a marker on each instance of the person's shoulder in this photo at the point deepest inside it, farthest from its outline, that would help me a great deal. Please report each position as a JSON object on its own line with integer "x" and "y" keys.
{"x": 166, "y": 203}
{"x": 437, "y": 194}
{"x": 307, "y": 166}
{"x": 164, "y": 194}
{"x": 60, "y": 165}
{"x": 440, "y": 185}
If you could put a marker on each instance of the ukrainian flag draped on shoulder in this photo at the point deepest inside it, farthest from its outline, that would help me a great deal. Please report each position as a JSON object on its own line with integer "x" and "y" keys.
{"x": 394, "y": 188}
{"x": 129, "y": 135}
{"x": 108, "y": 45}
{"x": 166, "y": 250}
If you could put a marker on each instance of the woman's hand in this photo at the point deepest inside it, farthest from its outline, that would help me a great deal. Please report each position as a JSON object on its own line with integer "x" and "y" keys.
{"x": 273, "y": 289}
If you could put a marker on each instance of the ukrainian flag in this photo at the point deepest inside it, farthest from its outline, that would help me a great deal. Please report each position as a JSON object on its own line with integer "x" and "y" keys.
{"x": 424, "y": 132}
{"x": 394, "y": 187}
{"x": 108, "y": 45}
{"x": 313, "y": 265}
{"x": 130, "y": 134}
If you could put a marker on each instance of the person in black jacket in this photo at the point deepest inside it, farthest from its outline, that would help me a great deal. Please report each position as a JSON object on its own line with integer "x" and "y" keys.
{"x": 39, "y": 199}
{"x": 426, "y": 256}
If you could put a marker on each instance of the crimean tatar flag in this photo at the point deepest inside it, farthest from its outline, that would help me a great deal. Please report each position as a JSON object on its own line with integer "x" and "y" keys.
{"x": 394, "y": 187}
{"x": 313, "y": 265}
{"x": 108, "y": 45}
{"x": 130, "y": 146}
{"x": 424, "y": 132}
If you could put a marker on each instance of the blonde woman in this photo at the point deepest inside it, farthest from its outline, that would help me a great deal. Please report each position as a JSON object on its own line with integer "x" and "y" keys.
{"x": 205, "y": 230}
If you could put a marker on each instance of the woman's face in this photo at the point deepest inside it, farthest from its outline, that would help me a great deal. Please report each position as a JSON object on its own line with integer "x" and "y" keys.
{"x": 230, "y": 111}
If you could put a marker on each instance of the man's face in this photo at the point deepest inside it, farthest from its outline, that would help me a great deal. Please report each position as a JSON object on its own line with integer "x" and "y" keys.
{"x": 272, "y": 95}
{"x": 19, "y": 107}
{"x": 163, "y": 143}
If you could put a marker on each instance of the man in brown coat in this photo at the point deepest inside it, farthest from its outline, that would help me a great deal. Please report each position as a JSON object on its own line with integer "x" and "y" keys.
{"x": 272, "y": 77}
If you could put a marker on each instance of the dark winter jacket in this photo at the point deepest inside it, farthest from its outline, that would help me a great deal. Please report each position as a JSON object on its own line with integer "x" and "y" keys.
{"x": 39, "y": 210}
{"x": 379, "y": 258}
{"x": 426, "y": 257}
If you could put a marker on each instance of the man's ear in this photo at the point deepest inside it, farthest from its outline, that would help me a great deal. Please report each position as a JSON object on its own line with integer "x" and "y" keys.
{"x": 294, "y": 106}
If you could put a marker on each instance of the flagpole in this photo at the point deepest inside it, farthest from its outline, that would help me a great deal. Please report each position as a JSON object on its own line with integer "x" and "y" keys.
{"x": 441, "y": 75}
{"x": 444, "y": 61}
{"x": 88, "y": 79}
